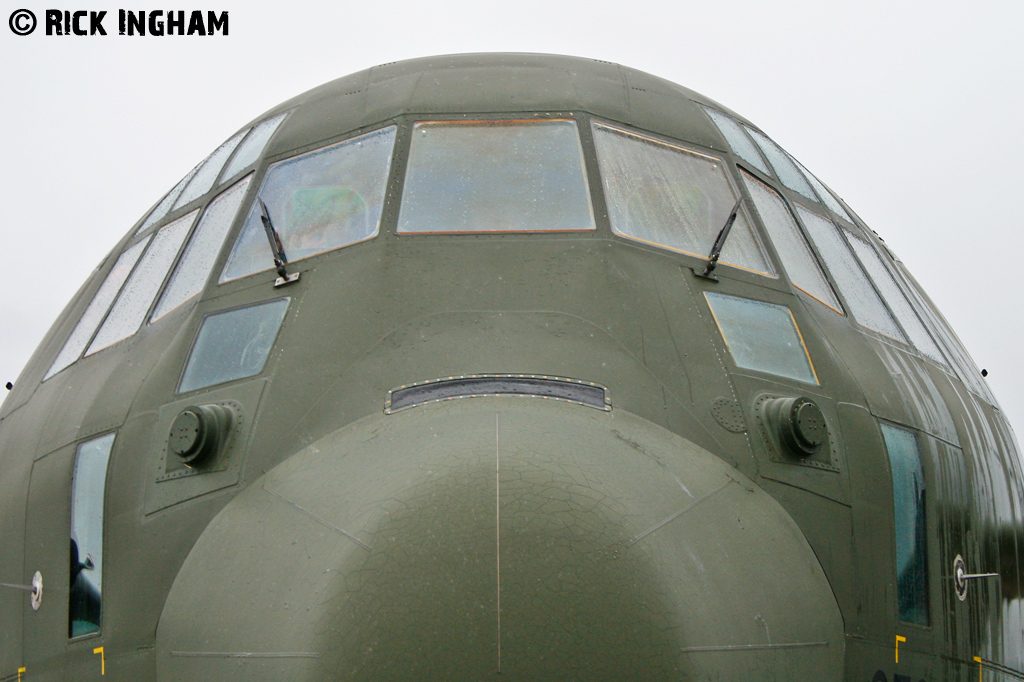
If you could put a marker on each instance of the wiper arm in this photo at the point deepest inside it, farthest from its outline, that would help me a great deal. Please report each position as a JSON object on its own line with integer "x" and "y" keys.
{"x": 280, "y": 259}
{"x": 716, "y": 250}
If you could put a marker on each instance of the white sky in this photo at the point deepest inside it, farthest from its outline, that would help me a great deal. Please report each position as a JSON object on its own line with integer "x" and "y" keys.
{"x": 911, "y": 111}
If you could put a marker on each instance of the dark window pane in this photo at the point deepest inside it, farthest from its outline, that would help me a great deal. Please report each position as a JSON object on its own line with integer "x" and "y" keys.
{"x": 908, "y": 488}
{"x": 87, "y": 489}
{"x": 233, "y": 344}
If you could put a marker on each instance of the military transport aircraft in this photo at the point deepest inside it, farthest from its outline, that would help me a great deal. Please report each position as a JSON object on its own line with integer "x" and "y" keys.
{"x": 517, "y": 366}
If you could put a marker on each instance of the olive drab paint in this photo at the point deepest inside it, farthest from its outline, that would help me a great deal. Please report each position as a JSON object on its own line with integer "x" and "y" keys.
{"x": 564, "y": 372}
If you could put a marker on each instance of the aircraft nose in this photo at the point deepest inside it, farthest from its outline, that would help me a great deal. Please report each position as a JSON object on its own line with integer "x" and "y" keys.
{"x": 501, "y": 536}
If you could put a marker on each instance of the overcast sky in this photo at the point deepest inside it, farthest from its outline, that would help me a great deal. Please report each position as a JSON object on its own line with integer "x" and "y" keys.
{"x": 911, "y": 111}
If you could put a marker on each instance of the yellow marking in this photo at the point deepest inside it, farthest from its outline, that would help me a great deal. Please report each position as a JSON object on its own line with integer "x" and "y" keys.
{"x": 835, "y": 310}
{"x": 807, "y": 353}
{"x": 981, "y": 668}
{"x": 20, "y": 671}
{"x": 103, "y": 659}
{"x": 899, "y": 638}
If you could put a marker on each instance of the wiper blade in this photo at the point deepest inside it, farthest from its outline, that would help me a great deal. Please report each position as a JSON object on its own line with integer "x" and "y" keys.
{"x": 280, "y": 259}
{"x": 716, "y": 250}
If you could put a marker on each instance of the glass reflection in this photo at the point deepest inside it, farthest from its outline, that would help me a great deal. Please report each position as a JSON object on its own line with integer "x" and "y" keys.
{"x": 323, "y": 200}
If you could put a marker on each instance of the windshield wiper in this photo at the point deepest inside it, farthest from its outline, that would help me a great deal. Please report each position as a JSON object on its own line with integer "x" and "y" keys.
{"x": 716, "y": 250}
{"x": 280, "y": 260}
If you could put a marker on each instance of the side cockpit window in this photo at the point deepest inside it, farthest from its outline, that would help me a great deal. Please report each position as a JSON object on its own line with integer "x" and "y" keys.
{"x": 196, "y": 262}
{"x": 853, "y": 284}
{"x": 252, "y": 146}
{"x": 824, "y": 194}
{"x": 738, "y": 140}
{"x": 119, "y": 308}
{"x": 129, "y": 311}
{"x": 909, "y": 489}
{"x": 317, "y": 202}
{"x": 895, "y": 298}
{"x": 87, "y": 498}
{"x": 783, "y": 164}
{"x": 247, "y": 145}
{"x": 203, "y": 180}
{"x": 742, "y": 139}
{"x": 495, "y": 176}
{"x": 673, "y": 197}
{"x": 793, "y": 250}
{"x": 97, "y": 309}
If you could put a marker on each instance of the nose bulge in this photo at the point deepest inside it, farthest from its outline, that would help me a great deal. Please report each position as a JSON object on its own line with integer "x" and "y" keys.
{"x": 520, "y": 537}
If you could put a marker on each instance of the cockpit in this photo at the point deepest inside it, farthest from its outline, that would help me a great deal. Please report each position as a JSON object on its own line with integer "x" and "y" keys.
{"x": 565, "y": 174}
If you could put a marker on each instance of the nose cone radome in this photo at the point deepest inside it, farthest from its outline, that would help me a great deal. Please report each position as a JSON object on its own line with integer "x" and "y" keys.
{"x": 531, "y": 538}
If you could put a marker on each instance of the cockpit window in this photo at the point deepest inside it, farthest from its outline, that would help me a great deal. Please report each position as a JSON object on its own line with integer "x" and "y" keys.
{"x": 202, "y": 250}
{"x": 853, "y": 284}
{"x": 165, "y": 204}
{"x": 796, "y": 255}
{"x": 962, "y": 363}
{"x": 738, "y": 140}
{"x": 824, "y": 193}
{"x": 207, "y": 174}
{"x": 253, "y": 146}
{"x": 319, "y": 201}
{"x": 130, "y": 309}
{"x": 233, "y": 344}
{"x": 97, "y": 309}
{"x": 762, "y": 336}
{"x": 908, "y": 488}
{"x": 673, "y": 197}
{"x": 495, "y": 176}
{"x": 784, "y": 167}
{"x": 201, "y": 179}
{"x": 895, "y": 298}
{"x": 87, "y": 495}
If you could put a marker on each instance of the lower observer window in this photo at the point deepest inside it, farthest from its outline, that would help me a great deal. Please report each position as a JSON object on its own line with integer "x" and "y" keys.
{"x": 233, "y": 344}
{"x": 762, "y": 336}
